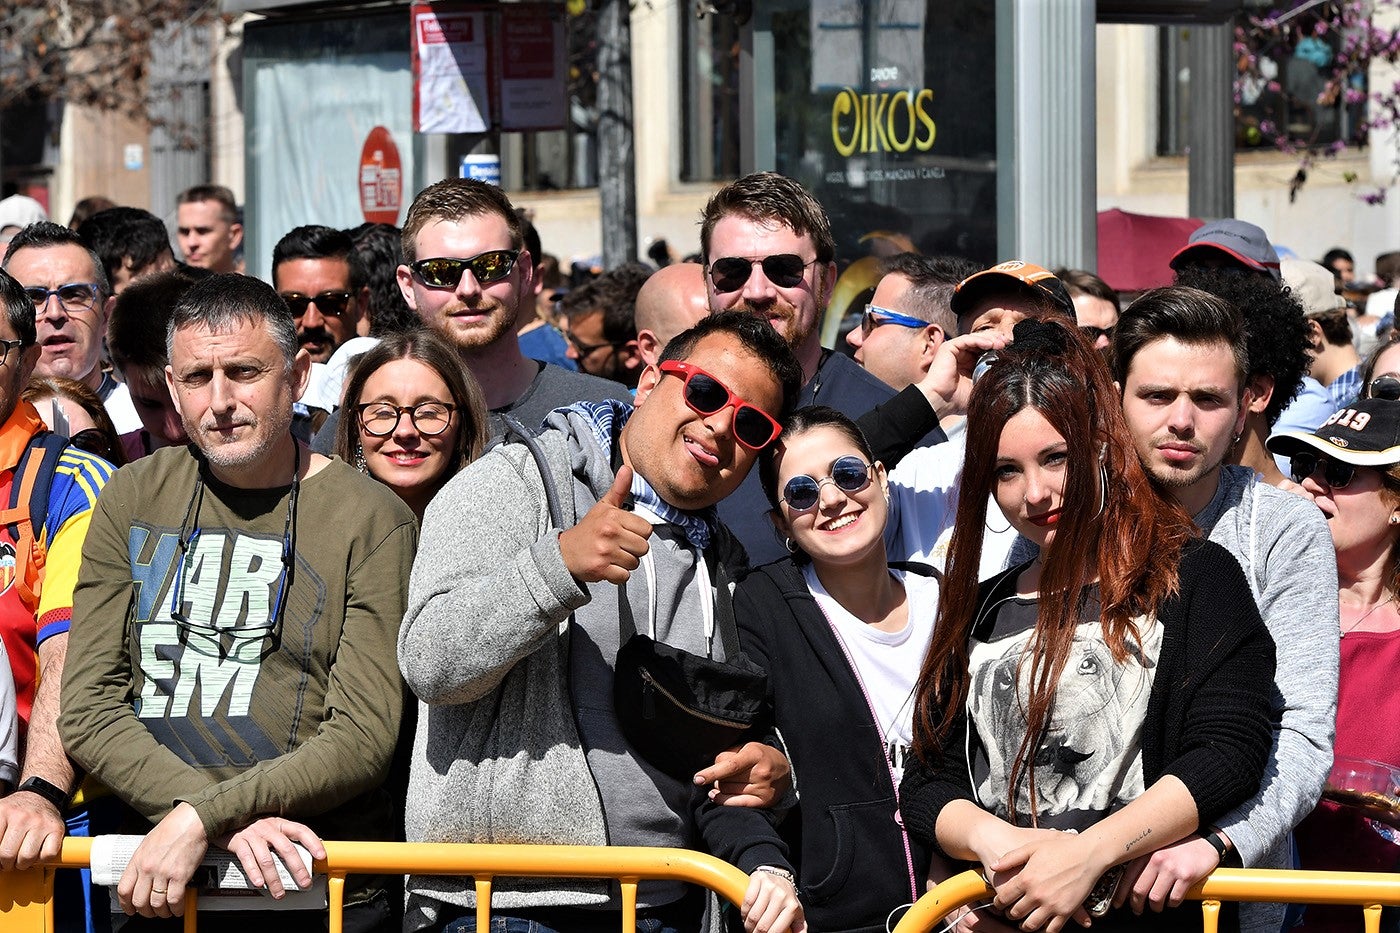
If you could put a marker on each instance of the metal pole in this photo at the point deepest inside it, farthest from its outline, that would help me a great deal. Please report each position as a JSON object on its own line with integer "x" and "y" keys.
{"x": 1211, "y": 129}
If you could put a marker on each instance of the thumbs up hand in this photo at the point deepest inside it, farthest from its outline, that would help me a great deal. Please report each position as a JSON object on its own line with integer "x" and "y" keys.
{"x": 608, "y": 542}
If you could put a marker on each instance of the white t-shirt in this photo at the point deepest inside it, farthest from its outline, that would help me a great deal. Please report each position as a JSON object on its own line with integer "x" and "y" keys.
{"x": 924, "y": 504}
{"x": 121, "y": 410}
{"x": 887, "y": 663}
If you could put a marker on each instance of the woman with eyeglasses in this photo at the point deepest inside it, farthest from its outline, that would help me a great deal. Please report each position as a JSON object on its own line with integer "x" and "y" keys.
{"x": 1101, "y": 700}
{"x": 412, "y": 416}
{"x": 76, "y": 410}
{"x": 841, "y": 634}
{"x": 1350, "y": 468}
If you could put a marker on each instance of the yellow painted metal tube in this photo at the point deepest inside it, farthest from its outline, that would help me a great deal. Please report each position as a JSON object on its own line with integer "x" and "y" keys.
{"x": 1360, "y": 889}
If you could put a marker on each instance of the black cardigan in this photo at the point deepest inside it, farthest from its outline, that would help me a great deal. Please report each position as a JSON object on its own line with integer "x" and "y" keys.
{"x": 853, "y": 866}
{"x": 1209, "y": 719}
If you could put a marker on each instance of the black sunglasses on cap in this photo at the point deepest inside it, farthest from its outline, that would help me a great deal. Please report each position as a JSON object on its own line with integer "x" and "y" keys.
{"x": 446, "y": 271}
{"x": 705, "y": 395}
{"x": 850, "y": 474}
{"x": 1384, "y": 387}
{"x": 1335, "y": 473}
{"x": 330, "y": 304}
{"x": 784, "y": 270}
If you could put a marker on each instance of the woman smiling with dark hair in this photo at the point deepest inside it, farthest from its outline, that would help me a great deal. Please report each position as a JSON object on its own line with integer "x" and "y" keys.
{"x": 1116, "y": 685}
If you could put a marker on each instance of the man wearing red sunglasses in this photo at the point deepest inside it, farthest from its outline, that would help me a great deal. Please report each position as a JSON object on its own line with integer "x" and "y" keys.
{"x": 515, "y": 620}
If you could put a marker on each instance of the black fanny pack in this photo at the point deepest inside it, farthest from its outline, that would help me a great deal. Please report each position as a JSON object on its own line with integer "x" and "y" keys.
{"x": 678, "y": 709}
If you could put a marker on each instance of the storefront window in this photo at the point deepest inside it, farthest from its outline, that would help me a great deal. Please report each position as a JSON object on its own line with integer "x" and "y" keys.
{"x": 1287, "y": 86}
{"x": 709, "y": 92}
{"x": 887, "y": 111}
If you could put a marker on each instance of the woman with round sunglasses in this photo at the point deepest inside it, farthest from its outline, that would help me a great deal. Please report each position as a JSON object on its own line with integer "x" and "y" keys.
{"x": 1101, "y": 700}
{"x": 841, "y": 635}
{"x": 413, "y": 416}
{"x": 1350, "y": 468}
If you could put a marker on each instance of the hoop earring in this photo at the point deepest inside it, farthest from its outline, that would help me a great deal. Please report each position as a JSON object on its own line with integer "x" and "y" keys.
{"x": 996, "y": 531}
{"x": 791, "y": 545}
{"x": 1103, "y": 488}
{"x": 360, "y": 460}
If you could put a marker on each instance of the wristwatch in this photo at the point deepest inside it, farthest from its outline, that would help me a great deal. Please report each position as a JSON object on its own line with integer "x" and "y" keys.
{"x": 50, "y": 792}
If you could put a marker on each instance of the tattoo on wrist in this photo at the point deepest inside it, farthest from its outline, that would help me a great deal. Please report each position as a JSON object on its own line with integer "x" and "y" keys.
{"x": 1140, "y": 836}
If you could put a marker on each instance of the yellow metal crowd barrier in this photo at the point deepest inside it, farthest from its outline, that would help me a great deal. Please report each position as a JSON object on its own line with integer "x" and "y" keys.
{"x": 26, "y": 897}
{"x": 1368, "y": 891}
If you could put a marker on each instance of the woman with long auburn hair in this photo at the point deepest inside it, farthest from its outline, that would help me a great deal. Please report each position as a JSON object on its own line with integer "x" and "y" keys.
{"x": 1115, "y": 686}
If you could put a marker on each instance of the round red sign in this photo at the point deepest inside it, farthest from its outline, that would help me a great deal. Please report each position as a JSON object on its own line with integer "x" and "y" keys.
{"x": 381, "y": 178}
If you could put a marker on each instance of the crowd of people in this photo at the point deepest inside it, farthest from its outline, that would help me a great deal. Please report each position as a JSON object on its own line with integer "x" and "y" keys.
{"x": 1095, "y": 593}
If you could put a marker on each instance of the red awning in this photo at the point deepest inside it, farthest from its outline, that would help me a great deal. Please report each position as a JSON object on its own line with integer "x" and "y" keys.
{"x": 1134, "y": 249}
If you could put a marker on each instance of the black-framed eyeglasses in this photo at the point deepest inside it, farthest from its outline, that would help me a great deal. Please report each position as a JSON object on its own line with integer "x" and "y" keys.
{"x": 382, "y": 419}
{"x": 875, "y": 316}
{"x": 1092, "y": 333}
{"x": 72, "y": 296}
{"x": 1384, "y": 387}
{"x": 784, "y": 270}
{"x": 7, "y": 347}
{"x": 188, "y": 540}
{"x": 850, "y": 474}
{"x": 705, "y": 395}
{"x": 1335, "y": 473}
{"x": 446, "y": 271}
{"x": 328, "y": 303}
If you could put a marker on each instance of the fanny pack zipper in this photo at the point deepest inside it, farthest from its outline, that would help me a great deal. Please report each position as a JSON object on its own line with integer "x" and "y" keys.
{"x": 649, "y": 703}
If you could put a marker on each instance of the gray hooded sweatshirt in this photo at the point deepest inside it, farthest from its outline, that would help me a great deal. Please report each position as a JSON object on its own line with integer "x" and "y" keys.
{"x": 511, "y": 658}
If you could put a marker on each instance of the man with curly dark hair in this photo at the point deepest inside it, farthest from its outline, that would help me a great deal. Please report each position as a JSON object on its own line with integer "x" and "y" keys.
{"x": 1277, "y": 392}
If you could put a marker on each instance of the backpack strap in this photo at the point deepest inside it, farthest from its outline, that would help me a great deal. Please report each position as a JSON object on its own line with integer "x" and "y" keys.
{"x": 26, "y": 523}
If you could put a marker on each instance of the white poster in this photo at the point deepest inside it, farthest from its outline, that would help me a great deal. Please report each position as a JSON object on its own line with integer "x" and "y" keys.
{"x": 452, "y": 59}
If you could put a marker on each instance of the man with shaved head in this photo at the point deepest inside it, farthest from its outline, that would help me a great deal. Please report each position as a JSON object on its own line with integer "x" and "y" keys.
{"x": 671, "y": 301}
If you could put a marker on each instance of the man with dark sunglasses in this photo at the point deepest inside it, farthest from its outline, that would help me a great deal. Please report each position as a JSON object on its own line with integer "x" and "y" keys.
{"x": 68, "y": 289}
{"x": 318, "y": 273}
{"x": 1181, "y": 357}
{"x": 467, "y": 273}
{"x": 514, "y": 624}
{"x": 768, "y": 249}
{"x": 252, "y": 616}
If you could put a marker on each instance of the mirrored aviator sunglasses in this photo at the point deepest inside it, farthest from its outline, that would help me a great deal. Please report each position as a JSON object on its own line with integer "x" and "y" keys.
{"x": 1335, "y": 473}
{"x": 850, "y": 474}
{"x": 785, "y": 270}
{"x": 446, "y": 271}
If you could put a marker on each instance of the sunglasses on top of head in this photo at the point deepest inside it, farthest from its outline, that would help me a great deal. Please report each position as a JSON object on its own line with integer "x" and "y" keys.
{"x": 446, "y": 271}
{"x": 1384, "y": 387}
{"x": 1335, "y": 473}
{"x": 850, "y": 474}
{"x": 705, "y": 395}
{"x": 785, "y": 270}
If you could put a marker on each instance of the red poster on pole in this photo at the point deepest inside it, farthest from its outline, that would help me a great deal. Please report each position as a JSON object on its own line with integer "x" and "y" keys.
{"x": 381, "y": 178}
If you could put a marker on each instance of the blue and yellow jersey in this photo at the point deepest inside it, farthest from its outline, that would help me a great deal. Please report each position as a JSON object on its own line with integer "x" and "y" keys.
{"x": 78, "y": 479}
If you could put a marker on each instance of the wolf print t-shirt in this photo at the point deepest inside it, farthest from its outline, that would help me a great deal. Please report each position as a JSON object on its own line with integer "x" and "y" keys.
{"x": 1088, "y": 762}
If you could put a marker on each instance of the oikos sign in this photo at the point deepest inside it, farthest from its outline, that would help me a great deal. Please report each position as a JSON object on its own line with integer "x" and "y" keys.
{"x": 883, "y": 122}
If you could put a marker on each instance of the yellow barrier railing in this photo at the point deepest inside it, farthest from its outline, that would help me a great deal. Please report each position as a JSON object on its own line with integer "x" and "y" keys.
{"x": 26, "y": 897}
{"x": 1370, "y": 891}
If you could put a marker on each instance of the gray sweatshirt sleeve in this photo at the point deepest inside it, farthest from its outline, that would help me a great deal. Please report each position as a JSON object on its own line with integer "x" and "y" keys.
{"x": 1295, "y": 575}
{"x": 488, "y": 584}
